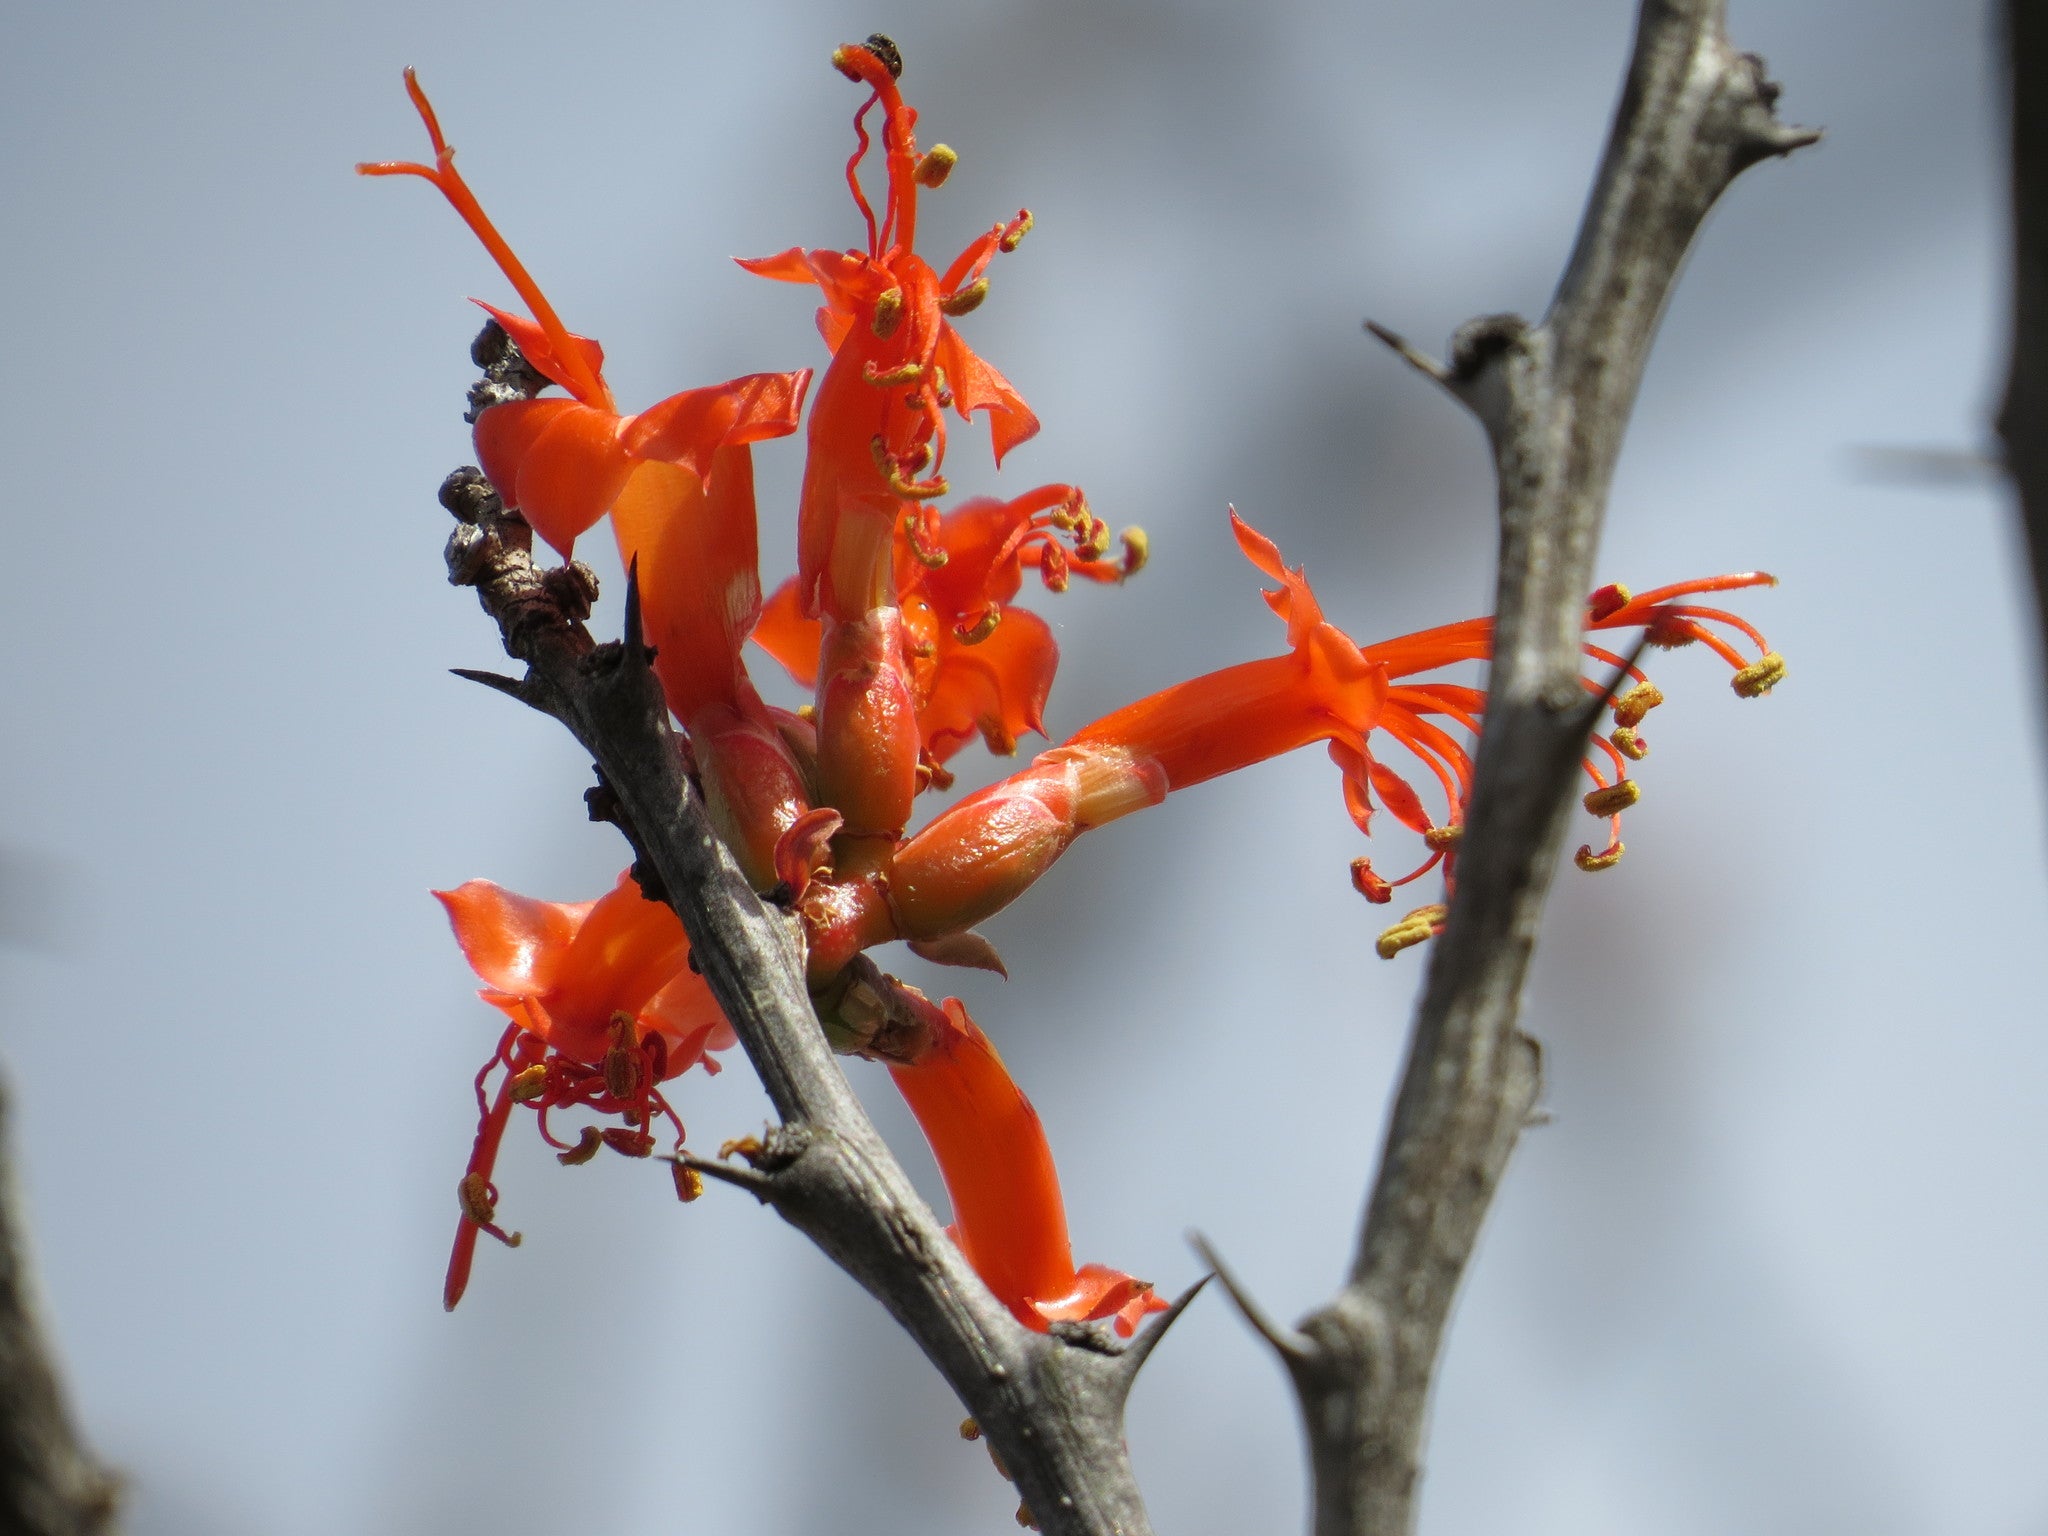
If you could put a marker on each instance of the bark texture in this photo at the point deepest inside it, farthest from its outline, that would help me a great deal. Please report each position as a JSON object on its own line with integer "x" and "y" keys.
{"x": 1554, "y": 399}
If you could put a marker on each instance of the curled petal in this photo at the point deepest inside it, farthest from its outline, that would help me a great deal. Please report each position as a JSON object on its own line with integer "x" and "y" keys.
{"x": 687, "y": 428}
{"x": 559, "y": 462}
{"x": 978, "y": 387}
{"x": 997, "y": 687}
{"x": 514, "y": 943}
{"x": 534, "y": 346}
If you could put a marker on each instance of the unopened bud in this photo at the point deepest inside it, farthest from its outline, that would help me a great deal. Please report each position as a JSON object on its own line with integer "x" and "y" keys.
{"x": 1613, "y": 799}
{"x": 1592, "y": 863}
{"x": 1629, "y": 744}
{"x": 1760, "y": 676}
{"x": 1630, "y": 708}
{"x": 966, "y": 301}
{"x": 936, "y": 164}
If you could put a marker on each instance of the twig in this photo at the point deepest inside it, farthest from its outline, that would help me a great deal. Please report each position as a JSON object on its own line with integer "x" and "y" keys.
{"x": 2023, "y": 419}
{"x": 1555, "y": 399}
{"x": 1051, "y": 1406}
{"x": 50, "y": 1484}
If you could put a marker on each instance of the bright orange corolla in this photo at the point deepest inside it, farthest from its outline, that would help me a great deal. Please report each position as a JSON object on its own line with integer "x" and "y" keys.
{"x": 904, "y": 622}
{"x": 604, "y": 1008}
{"x": 562, "y": 463}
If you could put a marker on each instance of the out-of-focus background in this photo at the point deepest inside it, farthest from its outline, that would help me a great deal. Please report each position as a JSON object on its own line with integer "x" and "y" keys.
{"x": 1777, "y": 1263}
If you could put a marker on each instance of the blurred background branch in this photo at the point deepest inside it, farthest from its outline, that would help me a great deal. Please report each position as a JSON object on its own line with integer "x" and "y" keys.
{"x": 50, "y": 1483}
{"x": 2023, "y": 419}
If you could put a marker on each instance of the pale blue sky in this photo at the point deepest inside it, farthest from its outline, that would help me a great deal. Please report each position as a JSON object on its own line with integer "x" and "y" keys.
{"x": 1775, "y": 1267}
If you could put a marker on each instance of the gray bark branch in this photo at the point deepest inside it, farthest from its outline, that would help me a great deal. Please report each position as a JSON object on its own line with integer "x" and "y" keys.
{"x": 1554, "y": 399}
{"x": 2023, "y": 419}
{"x": 1051, "y": 1404}
{"x": 50, "y": 1483}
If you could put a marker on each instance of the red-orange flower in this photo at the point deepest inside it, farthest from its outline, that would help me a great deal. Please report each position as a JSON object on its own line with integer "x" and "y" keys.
{"x": 978, "y": 856}
{"x": 978, "y": 662}
{"x": 603, "y": 1008}
{"x": 877, "y": 430}
{"x": 1008, "y": 1217}
{"x": 562, "y": 463}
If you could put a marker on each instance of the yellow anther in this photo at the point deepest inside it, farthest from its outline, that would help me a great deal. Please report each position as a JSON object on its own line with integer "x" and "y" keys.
{"x": 1137, "y": 550}
{"x": 1415, "y": 928}
{"x": 748, "y": 1147}
{"x": 906, "y": 374}
{"x": 1592, "y": 863}
{"x": 689, "y": 1182}
{"x": 888, "y": 313}
{"x": 936, "y": 164}
{"x": 1630, "y": 708}
{"x": 1613, "y": 799}
{"x": 621, "y": 1064}
{"x": 1024, "y": 1517}
{"x": 1668, "y": 632}
{"x": 529, "y": 1083}
{"x": 966, "y": 301}
{"x": 1444, "y": 838}
{"x": 475, "y": 1194}
{"x": 891, "y": 469}
{"x": 1760, "y": 676}
{"x": 807, "y": 712}
{"x": 969, "y": 1430}
{"x": 1017, "y": 229}
{"x": 1629, "y": 744}
{"x": 980, "y": 629}
{"x": 587, "y": 1145}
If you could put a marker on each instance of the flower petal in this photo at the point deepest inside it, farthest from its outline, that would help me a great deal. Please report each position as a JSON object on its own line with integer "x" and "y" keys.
{"x": 978, "y": 387}
{"x": 784, "y": 633}
{"x": 688, "y": 428}
{"x": 998, "y": 687}
{"x": 535, "y": 347}
{"x": 514, "y": 943}
{"x": 559, "y": 462}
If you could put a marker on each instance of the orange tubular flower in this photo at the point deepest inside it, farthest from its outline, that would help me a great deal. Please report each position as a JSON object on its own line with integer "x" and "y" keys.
{"x": 693, "y": 542}
{"x": 603, "y": 1008}
{"x": 877, "y": 432}
{"x": 979, "y": 663}
{"x": 562, "y": 463}
{"x": 977, "y": 857}
{"x": 1008, "y": 1217}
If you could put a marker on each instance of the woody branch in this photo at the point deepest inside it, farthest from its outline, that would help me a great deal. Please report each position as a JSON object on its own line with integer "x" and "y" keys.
{"x": 1554, "y": 399}
{"x": 2023, "y": 418}
{"x": 1050, "y": 1404}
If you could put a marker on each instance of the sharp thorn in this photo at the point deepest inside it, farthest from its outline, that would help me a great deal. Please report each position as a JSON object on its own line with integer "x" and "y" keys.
{"x": 510, "y": 686}
{"x": 1419, "y": 360}
{"x": 1292, "y": 1347}
{"x": 1134, "y": 1358}
{"x": 635, "y": 636}
{"x": 759, "y": 1185}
